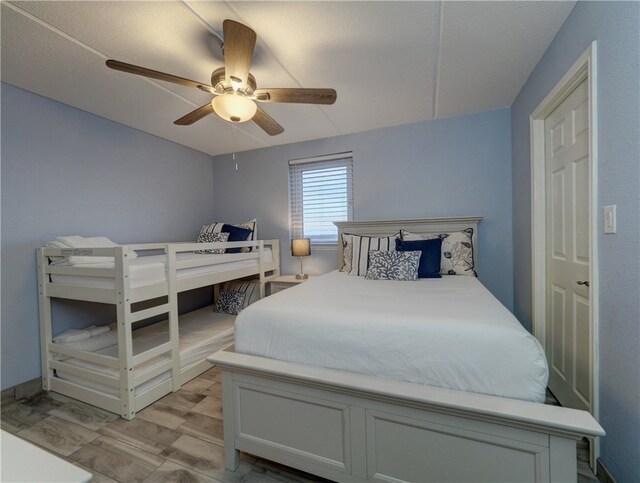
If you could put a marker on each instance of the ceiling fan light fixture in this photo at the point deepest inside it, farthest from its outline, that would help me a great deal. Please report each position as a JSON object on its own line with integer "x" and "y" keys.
{"x": 234, "y": 107}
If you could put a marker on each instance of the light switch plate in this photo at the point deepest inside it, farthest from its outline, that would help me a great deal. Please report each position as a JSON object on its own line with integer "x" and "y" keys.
{"x": 610, "y": 219}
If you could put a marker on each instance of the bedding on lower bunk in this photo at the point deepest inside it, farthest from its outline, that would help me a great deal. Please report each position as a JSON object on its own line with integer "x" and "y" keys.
{"x": 202, "y": 332}
{"x": 147, "y": 270}
{"x": 449, "y": 332}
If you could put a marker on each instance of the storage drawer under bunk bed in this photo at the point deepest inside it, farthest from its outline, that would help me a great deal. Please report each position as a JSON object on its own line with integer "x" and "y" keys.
{"x": 125, "y": 369}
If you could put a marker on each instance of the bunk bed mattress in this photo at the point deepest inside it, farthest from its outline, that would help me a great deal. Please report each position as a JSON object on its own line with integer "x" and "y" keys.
{"x": 202, "y": 333}
{"x": 449, "y": 332}
{"x": 149, "y": 270}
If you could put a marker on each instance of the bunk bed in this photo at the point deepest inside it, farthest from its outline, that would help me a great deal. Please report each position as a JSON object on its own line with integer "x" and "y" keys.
{"x": 369, "y": 425}
{"x": 141, "y": 366}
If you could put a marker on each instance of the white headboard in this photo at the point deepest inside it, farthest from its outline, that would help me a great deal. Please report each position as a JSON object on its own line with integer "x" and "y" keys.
{"x": 420, "y": 225}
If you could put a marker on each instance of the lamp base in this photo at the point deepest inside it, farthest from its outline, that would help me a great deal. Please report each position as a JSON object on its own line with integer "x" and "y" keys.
{"x": 302, "y": 276}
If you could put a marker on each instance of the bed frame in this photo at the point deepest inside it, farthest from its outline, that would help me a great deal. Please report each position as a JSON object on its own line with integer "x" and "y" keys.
{"x": 350, "y": 427}
{"x": 123, "y": 296}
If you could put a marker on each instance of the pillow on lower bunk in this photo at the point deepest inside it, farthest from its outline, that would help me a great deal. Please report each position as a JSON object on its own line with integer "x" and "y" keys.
{"x": 250, "y": 288}
{"x": 236, "y": 233}
{"x": 457, "y": 250}
{"x": 229, "y": 303}
{"x": 388, "y": 265}
{"x": 212, "y": 238}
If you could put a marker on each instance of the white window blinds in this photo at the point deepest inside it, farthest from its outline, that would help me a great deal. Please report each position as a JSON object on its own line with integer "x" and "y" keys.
{"x": 320, "y": 192}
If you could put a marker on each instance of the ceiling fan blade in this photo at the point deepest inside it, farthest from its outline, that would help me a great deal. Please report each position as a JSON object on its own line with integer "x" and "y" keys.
{"x": 267, "y": 123}
{"x": 301, "y": 96}
{"x": 194, "y": 116}
{"x": 154, "y": 74}
{"x": 239, "y": 42}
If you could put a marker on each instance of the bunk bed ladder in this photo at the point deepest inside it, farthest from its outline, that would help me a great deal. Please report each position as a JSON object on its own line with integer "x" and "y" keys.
{"x": 261, "y": 267}
{"x": 125, "y": 336}
{"x": 45, "y": 318}
{"x": 174, "y": 329}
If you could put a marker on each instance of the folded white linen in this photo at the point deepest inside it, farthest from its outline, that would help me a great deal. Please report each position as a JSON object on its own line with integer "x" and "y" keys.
{"x": 91, "y": 344}
{"x": 76, "y": 241}
{"x": 73, "y": 335}
{"x": 95, "y": 331}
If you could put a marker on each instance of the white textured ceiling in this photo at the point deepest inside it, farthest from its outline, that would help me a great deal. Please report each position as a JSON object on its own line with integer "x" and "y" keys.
{"x": 391, "y": 62}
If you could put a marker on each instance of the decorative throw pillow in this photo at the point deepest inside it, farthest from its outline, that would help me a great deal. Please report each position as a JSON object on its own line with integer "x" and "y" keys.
{"x": 235, "y": 233}
{"x": 347, "y": 252}
{"x": 386, "y": 265}
{"x": 229, "y": 303}
{"x": 430, "y": 250}
{"x": 212, "y": 238}
{"x": 361, "y": 247}
{"x": 457, "y": 250}
{"x": 249, "y": 225}
{"x": 250, "y": 289}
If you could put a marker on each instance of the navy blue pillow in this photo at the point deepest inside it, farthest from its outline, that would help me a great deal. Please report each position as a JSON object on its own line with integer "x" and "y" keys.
{"x": 236, "y": 234}
{"x": 429, "y": 266}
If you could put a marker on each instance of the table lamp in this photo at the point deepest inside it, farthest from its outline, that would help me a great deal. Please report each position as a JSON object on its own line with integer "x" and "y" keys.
{"x": 301, "y": 247}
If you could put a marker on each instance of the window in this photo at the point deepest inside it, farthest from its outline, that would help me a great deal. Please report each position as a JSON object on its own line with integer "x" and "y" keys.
{"x": 320, "y": 192}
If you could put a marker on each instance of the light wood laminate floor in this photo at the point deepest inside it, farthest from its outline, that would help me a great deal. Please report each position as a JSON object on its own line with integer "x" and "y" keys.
{"x": 176, "y": 439}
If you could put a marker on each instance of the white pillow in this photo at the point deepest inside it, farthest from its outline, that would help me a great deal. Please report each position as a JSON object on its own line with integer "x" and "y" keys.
{"x": 457, "y": 250}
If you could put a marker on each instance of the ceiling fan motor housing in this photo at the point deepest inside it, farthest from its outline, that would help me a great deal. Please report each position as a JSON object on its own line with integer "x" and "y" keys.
{"x": 220, "y": 84}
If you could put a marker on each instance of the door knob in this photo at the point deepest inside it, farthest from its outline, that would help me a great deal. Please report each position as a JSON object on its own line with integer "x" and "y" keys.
{"x": 585, "y": 283}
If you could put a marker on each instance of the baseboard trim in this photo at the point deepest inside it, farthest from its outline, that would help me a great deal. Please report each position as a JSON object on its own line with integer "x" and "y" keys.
{"x": 20, "y": 391}
{"x": 603, "y": 473}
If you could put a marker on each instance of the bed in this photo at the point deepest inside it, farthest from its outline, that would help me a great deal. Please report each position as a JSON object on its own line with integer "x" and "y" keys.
{"x": 141, "y": 365}
{"x": 447, "y": 336}
{"x": 371, "y": 421}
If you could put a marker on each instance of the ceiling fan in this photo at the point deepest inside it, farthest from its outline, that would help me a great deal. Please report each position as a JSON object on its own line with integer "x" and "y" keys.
{"x": 233, "y": 87}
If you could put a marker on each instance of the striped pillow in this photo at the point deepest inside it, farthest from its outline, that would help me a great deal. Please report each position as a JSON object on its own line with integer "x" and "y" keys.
{"x": 249, "y": 287}
{"x": 361, "y": 247}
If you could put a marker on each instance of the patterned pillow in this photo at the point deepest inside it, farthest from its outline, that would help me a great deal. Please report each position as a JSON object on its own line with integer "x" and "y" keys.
{"x": 236, "y": 233}
{"x": 212, "y": 238}
{"x": 229, "y": 303}
{"x": 250, "y": 288}
{"x": 457, "y": 250}
{"x": 361, "y": 247}
{"x": 386, "y": 265}
{"x": 347, "y": 252}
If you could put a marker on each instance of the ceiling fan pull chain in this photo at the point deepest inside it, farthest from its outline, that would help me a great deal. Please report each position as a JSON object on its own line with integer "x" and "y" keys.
{"x": 235, "y": 143}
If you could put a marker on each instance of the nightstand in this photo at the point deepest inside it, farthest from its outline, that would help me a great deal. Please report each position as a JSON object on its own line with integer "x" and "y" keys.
{"x": 282, "y": 282}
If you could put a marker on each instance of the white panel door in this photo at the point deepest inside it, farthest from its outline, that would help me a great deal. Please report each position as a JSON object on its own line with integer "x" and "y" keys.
{"x": 568, "y": 333}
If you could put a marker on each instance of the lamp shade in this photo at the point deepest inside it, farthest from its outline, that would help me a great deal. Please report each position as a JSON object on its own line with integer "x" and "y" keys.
{"x": 234, "y": 107}
{"x": 301, "y": 247}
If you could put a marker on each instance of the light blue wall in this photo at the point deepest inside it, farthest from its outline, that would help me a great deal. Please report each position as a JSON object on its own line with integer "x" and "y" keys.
{"x": 615, "y": 25}
{"x": 64, "y": 172}
{"x": 455, "y": 166}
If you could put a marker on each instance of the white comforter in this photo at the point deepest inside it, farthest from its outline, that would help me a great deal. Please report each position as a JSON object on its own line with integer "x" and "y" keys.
{"x": 449, "y": 332}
